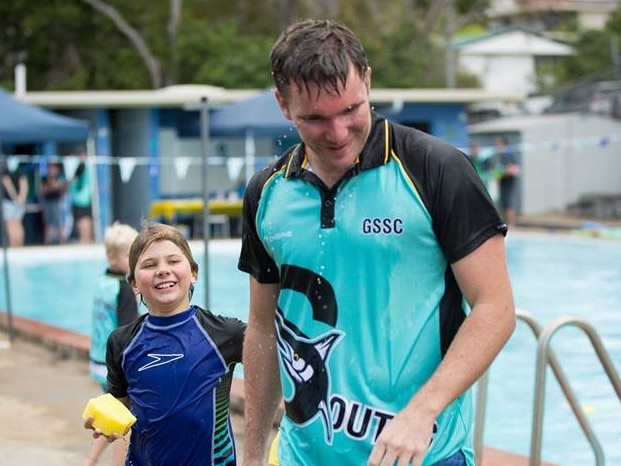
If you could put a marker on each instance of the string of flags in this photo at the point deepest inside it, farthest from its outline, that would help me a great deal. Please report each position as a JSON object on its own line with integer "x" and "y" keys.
{"x": 127, "y": 165}
{"x": 602, "y": 142}
{"x": 234, "y": 165}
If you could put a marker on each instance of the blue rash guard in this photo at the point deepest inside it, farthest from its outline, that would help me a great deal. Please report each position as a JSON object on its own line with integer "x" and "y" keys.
{"x": 177, "y": 372}
{"x": 368, "y": 303}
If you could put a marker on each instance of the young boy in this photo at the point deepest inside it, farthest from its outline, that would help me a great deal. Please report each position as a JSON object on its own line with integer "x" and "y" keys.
{"x": 114, "y": 305}
{"x": 173, "y": 367}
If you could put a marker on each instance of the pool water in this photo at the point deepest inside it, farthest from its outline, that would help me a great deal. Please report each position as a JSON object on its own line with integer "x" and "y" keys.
{"x": 553, "y": 276}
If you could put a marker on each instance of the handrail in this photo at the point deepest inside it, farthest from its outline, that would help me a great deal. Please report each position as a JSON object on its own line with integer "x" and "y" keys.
{"x": 544, "y": 354}
{"x": 479, "y": 417}
{"x": 481, "y": 403}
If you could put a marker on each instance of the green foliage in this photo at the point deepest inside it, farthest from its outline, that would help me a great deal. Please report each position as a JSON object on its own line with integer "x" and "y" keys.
{"x": 61, "y": 44}
{"x": 395, "y": 60}
{"x": 593, "y": 54}
{"x": 463, "y": 7}
{"x": 68, "y": 44}
{"x": 614, "y": 22}
{"x": 549, "y": 75}
{"x": 221, "y": 56}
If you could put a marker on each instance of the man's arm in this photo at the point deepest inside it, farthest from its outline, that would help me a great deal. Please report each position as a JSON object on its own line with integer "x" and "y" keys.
{"x": 484, "y": 280}
{"x": 261, "y": 380}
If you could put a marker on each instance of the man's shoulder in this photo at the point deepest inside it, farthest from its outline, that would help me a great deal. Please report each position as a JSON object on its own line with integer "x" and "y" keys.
{"x": 412, "y": 144}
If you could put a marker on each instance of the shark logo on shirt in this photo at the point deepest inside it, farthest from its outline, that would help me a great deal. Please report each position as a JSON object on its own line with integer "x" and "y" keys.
{"x": 303, "y": 358}
{"x": 160, "y": 360}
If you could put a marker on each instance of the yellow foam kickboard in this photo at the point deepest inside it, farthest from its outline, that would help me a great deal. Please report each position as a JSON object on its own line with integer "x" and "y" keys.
{"x": 109, "y": 415}
{"x": 272, "y": 459}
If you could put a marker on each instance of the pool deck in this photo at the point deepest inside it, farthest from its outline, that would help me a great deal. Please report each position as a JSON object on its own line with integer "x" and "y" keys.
{"x": 45, "y": 386}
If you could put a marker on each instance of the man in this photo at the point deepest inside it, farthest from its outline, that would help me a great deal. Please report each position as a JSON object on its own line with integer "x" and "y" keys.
{"x": 362, "y": 244}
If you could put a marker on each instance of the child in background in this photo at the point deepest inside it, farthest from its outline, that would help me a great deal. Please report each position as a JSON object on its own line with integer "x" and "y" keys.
{"x": 114, "y": 305}
{"x": 174, "y": 366}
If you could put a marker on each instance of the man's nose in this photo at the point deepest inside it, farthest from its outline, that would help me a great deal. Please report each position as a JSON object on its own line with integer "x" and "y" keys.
{"x": 337, "y": 130}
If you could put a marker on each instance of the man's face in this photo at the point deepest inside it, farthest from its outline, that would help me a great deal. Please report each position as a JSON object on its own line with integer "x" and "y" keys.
{"x": 333, "y": 127}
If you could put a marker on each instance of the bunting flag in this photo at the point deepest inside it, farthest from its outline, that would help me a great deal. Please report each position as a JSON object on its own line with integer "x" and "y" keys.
{"x": 581, "y": 146}
{"x": 154, "y": 169}
{"x": 13, "y": 162}
{"x": 70, "y": 164}
{"x": 127, "y": 166}
{"x": 234, "y": 167}
{"x": 604, "y": 141}
{"x": 181, "y": 166}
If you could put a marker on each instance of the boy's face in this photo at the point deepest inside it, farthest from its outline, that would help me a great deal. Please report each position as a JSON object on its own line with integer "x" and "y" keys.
{"x": 163, "y": 276}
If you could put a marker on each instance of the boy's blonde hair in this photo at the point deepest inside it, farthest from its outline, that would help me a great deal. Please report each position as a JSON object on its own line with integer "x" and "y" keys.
{"x": 118, "y": 237}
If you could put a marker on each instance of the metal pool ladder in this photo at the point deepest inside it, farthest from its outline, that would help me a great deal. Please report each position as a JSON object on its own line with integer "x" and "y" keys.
{"x": 545, "y": 356}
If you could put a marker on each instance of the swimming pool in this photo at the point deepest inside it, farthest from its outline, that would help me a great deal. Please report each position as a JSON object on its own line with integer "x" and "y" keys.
{"x": 552, "y": 275}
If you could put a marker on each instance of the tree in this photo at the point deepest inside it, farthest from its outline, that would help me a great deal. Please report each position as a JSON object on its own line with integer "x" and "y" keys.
{"x": 150, "y": 61}
{"x": 14, "y": 37}
{"x": 115, "y": 44}
{"x": 222, "y": 56}
{"x": 592, "y": 55}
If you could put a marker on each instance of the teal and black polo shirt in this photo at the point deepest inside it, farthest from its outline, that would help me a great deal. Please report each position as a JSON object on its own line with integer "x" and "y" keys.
{"x": 368, "y": 303}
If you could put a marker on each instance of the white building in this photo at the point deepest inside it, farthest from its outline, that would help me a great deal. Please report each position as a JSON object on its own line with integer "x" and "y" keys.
{"x": 563, "y": 157}
{"x": 589, "y": 14}
{"x": 507, "y": 60}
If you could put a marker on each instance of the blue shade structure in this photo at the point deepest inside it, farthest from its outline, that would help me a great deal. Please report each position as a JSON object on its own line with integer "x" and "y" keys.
{"x": 24, "y": 123}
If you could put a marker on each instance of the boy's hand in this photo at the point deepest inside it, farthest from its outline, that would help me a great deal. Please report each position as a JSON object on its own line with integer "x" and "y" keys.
{"x": 88, "y": 424}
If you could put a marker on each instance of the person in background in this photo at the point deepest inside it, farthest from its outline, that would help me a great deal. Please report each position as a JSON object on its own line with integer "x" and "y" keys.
{"x": 114, "y": 304}
{"x": 53, "y": 190}
{"x": 15, "y": 190}
{"x": 379, "y": 289}
{"x": 81, "y": 202}
{"x": 507, "y": 171}
{"x": 482, "y": 167}
{"x": 475, "y": 158}
{"x": 173, "y": 367}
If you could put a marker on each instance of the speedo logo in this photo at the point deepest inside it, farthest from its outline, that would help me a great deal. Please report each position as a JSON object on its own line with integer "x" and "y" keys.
{"x": 382, "y": 226}
{"x": 159, "y": 360}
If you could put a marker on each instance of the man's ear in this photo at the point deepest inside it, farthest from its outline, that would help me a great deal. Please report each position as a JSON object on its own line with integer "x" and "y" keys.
{"x": 282, "y": 103}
